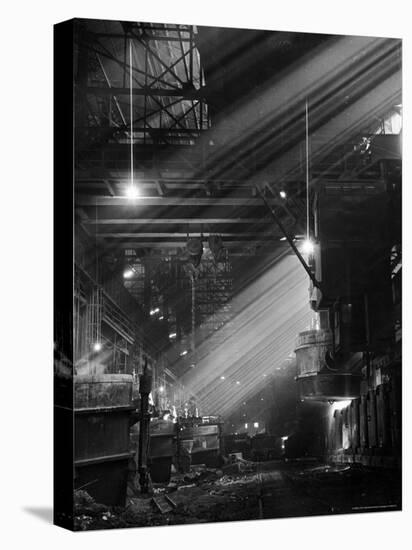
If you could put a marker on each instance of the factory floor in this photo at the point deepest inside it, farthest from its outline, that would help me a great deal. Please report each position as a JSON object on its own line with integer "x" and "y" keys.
{"x": 256, "y": 491}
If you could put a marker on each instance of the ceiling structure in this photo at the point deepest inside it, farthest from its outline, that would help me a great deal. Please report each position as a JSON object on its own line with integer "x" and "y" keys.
{"x": 219, "y": 119}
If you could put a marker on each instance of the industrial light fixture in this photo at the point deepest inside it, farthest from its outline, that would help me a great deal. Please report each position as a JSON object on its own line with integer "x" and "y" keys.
{"x": 161, "y": 389}
{"x": 161, "y": 318}
{"x": 184, "y": 352}
{"x": 172, "y": 335}
{"x": 97, "y": 346}
{"x": 283, "y": 194}
{"x": 132, "y": 192}
{"x": 222, "y": 378}
{"x": 237, "y": 382}
{"x": 307, "y": 246}
{"x": 256, "y": 424}
{"x": 154, "y": 311}
{"x": 128, "y": 273}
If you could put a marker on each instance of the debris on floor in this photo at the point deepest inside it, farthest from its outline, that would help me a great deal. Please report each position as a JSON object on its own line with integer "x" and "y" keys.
{"x": 253, "y": 491}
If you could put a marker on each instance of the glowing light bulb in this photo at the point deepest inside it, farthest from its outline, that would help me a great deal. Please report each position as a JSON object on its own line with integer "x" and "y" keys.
{"x": 283, "y": 194}
{"x": 128, "y": 273}
{"x": 132, "y": 192}
{"x": 97, "y": 346}
{"x": 307, "y": 247}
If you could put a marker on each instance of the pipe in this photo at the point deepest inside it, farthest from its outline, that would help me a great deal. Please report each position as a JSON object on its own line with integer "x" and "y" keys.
{"x": 145, "y": 387}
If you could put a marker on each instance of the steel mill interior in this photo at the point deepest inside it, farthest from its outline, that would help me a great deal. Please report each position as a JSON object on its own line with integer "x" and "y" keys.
{"x": 236, "y": 340}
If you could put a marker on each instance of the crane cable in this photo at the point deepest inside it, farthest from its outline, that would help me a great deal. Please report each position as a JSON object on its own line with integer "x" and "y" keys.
{"x": 307, "y": 171}
{"x": 131, "y": 118}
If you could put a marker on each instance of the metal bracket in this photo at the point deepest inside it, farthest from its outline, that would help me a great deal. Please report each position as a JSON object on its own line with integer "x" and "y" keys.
{"x": 315, "y": 282}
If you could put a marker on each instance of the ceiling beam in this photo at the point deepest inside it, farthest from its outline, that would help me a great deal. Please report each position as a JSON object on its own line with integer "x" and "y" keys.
{"x": 182, "y": 244}
{"x": 152, "y": 182}
{"x": 145, "y": 90}
{"x": 171, "y": 176}
{"x": 240, "y": 235}
{"x": 136, "y": 129}
{"x": 87, "y": 200}
{"x": 175, "y": 221}
{"x": 147, "y": 36}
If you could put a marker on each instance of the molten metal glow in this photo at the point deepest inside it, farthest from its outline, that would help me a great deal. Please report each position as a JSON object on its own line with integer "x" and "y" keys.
{"x": 339, "y": 405}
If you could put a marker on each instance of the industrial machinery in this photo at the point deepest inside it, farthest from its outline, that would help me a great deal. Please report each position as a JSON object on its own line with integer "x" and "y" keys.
{"x": 318, "y": 375}
{"x": 103, "y": 406}
{"x": 202, "y": 441}
{"x": 356, "y": 229}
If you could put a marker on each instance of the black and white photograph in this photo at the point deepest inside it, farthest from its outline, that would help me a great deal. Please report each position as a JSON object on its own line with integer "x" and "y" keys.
{"x": 236, "y": 337}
